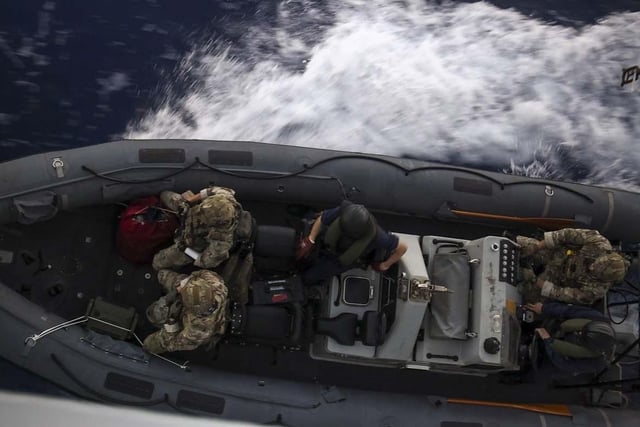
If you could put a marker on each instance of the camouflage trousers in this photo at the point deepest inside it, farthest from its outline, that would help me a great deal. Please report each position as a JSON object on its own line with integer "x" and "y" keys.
{"x": 195, "y": 332}
{"x": 171, "y": 258}
{"x": 192, "y": 330}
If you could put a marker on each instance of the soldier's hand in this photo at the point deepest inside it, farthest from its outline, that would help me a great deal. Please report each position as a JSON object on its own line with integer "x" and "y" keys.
{"x": 187, "y": 194}
{"x": 542, "y": 332}
{"x": 158, "y": 312}
{"x": 530, "y": 249}
{"x": 192, "y": 198}
{"x": 305, "y": 246}
{"x": 536, "y": 308}
{"x": 537, "y": 247}
{"x": 540, "y": 283}
{"x": 380, "y": 266}
{"x": 175, "y": 310}
{"x": 152, "y": 343}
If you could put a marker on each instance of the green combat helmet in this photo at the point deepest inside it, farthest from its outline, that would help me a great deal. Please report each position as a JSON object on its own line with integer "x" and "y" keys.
{"x": 599, "y": 337}
{"x": 611, "y": 267}
{"x": 199, "y": 294}
{"x": 356, "y": 221}
{"x": 220, "y": 212}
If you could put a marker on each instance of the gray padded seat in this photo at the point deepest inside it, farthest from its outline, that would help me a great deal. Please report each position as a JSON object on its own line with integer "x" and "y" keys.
{"x": 449, "y": 312}
{"x": 274, "y": 249}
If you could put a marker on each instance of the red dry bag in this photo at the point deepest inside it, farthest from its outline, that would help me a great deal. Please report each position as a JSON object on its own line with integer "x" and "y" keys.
{"x": 144, "y": 229}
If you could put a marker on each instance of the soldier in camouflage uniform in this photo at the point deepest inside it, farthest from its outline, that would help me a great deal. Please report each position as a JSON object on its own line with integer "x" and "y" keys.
{"x": 579, "y": 266}
{"x": 208, "y": 228}
{"x": 202, "y": 317}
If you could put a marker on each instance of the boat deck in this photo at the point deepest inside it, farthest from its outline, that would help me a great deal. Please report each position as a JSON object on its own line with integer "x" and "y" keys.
{"x": 63, "y": 263}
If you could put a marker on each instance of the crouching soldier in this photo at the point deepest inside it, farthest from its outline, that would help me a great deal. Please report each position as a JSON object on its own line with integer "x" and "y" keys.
{"x": 209, "y": 220}
{"x": 192, "y": 314}
{"x": 349, "y": 237}
{"x": 579, "y": 266}
{"x": 576, "y": 339}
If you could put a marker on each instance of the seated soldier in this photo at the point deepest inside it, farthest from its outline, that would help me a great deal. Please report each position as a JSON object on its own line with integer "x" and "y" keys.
{"x": 579, "y": 266}
{"x": 196, "y": 316}
{"x": 349, "y": 237}
{"x": 209, "y": 220}
{"x": 578, "y": 339}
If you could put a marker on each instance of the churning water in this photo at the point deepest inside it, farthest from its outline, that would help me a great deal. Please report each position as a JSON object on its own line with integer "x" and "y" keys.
{"x": 464, "y": 83}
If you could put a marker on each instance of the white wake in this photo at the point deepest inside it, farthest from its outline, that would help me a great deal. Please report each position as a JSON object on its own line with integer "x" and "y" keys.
{"x": 467, "y": 83}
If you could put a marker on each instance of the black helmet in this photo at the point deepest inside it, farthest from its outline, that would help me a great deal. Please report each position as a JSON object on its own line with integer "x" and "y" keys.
{"x": 355, "y": 221}
{"x": 599, "y": 337}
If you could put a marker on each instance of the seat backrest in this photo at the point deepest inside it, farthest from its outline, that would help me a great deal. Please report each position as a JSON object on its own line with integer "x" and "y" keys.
{"x": 267, "y": 321}
{"x": 268, "y": 324}
{"x": 274, "y": 249}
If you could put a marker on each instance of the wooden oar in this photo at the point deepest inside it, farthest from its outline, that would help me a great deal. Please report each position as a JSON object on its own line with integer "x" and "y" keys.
{"x": 545, "y": 223}
{"x": 544, "y": 408}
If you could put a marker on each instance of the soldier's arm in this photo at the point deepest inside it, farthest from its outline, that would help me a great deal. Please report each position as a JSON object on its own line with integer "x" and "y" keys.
{"x": 587, "y": 294}
{"x": 396, "y": 253}
{"x": 567, "y": 311}
{"x": 566, "y": 236}
{"x": 575, "y": 237}
{"x": 214, "y": 254}
{"x": 206, "y": 192}
{"x": 170, "y": 279}
{"x": 315, "y": 229}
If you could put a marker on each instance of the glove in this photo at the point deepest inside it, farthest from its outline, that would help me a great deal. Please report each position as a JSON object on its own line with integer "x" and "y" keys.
{"x": 531, "y": 250}
{"x": 153, "y": 344}
{"x": 175, "y": 310}
{"x": 158, "y": 312}
{"x": 171, "y": 297}
{"x": 304, "y": 248}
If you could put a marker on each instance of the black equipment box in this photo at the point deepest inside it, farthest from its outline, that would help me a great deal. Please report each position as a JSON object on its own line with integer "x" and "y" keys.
{"x": 109, "y": 319}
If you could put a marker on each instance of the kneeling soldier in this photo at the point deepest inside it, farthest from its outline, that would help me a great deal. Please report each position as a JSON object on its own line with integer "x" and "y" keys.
{"x": 579, "y": 266}
{"x": 209, "y": 220}
{"x": 197, "y": 316}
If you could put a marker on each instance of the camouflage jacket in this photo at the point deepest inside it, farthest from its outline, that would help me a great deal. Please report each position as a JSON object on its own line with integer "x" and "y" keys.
{"x": 197, "y": 328}
{"x": 205, "y": 233}
{"x": 569, "y": 252}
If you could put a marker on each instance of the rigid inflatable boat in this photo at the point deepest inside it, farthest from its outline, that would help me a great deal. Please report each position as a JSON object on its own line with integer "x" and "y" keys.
{"x": 417, "y": 342}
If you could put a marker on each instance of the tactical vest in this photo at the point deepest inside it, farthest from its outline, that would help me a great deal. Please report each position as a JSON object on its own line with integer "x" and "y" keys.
{"x": 572, "y": 261}
{"x": 568, "y": 267}
{"x": 197, "y": 229}
{"x": 237, "y": 269}
{"x": 348, "y": 251}
{"x": 567, "y": 340}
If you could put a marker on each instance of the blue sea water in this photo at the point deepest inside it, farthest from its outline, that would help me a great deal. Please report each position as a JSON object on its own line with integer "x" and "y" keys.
{"x": 526, "y": 87}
